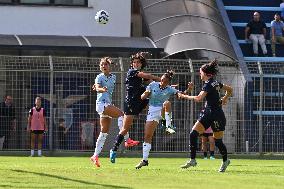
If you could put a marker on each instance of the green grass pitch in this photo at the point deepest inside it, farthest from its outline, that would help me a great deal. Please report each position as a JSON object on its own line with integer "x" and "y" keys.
{"x": 78, "y": 172}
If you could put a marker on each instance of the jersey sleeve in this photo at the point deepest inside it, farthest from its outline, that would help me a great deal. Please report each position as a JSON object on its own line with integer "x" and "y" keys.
{"x": 264, "y": 25}
{"x": 134, "y": 73}
{"x": 249, "y": 25}
{"x": 31, "y": 112}
{"x": 207, "y": 87}
{"x": 174, "y": 91}
{"x": 98, "y": 79}
{"x": 272, "y": 24}
{"x": 114, "y": 78}
{"x": 150, "y": 86}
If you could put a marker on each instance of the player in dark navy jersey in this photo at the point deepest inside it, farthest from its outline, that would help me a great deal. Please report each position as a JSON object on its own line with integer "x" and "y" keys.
{"x": 133, "y": 104}
{"x": 212, "y": 114}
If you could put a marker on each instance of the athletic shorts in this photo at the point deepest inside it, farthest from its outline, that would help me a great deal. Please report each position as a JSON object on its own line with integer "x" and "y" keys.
{"x": 207, "y": 135}
{"x": 154, "y": 114}
{"x": 135, "y": 107}
{"x": 214, "y": 118}
{"x": 100, "y": 108}
{"x": 37, "y": 132}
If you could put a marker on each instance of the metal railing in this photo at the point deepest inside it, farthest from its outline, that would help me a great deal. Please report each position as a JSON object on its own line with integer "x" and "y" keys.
{"x": 254, "y": 113}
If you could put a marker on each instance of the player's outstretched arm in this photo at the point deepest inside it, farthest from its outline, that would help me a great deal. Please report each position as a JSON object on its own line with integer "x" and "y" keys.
{"x": 229, "y": 93}
{"x": 198, "y": 98}
{"x": 148, "y": 76}
{"x": 189, "y": 88}
{"x": 145, "y": 95}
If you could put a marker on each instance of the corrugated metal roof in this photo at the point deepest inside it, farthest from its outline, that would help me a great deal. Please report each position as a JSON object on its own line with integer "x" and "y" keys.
{"x": 128, "y": 42}
{"x": 8, "y": 40}
{"x": 78, "y": 41}
{"x": 184, "y": 25}
{"x": 48, "y": 40}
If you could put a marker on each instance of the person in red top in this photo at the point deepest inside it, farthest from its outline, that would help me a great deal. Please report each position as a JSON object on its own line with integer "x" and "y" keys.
{"x": 37, "y": 125}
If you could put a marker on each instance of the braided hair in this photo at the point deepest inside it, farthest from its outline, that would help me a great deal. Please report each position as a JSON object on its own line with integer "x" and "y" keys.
{"x": 210, "y": 69}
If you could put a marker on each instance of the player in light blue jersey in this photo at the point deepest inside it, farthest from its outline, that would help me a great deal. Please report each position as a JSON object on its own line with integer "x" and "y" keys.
{"x": 104, "y": 85}
{"x": 158, "y": 94}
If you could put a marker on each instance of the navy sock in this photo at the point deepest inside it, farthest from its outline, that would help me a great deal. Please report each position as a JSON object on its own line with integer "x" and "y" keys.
{"x": 118, "y": 141}
{"x": 193, "y": 136}
{"x": 212, "y": 153}
{"x": 222, "y": 148}
{"x": 205, "y": 154}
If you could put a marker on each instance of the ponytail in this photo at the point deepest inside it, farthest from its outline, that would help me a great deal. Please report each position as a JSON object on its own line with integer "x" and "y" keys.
{"x": 210, "y": 69}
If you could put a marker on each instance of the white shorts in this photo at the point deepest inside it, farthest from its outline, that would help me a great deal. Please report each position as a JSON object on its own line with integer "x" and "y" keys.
{"x": 154, "y": 113}
{"x": 100, "y": 108}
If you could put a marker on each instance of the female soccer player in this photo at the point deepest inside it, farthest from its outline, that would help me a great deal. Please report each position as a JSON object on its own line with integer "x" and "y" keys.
{"x": 104, "y": 85}
{"x": 37, "y": 126}
{"x": 133, "y": 104}
{"x": 158, "y": 94}
{"x": 212, "y": 115}
{"x": 206, "y": 137}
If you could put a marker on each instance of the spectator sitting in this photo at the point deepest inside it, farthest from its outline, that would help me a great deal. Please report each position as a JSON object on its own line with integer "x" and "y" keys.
{"x": 277, "y": 27}
{"x": 257, "y": 30}
{"x": 65, "y": 123}
{"x": 282, "y": 9}
{"x": 62, "y": 131}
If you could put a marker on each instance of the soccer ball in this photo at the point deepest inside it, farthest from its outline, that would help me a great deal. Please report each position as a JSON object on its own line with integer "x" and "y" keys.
{"x": 102, "y": 17}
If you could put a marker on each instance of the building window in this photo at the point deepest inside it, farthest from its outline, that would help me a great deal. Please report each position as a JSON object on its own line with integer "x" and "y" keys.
{"x": 47, "y": 2}
{"x": 6, "y": 1}
{"x": 34, "y": 1}
{"x": 69, "y": 2}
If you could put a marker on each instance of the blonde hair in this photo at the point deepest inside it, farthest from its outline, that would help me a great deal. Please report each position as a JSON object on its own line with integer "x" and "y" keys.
{"x": 106, "y": 60}
{"x": 38, "y": 98}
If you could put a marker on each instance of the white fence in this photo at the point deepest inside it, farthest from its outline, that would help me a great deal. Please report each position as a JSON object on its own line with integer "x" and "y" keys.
{"x": 254, "y": 114}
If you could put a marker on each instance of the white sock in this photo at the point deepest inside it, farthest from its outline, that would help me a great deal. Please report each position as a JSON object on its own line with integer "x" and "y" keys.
{"x": 120, "y": 125}
{"x": 32, "y": 152}
{"x": 126, "y": 137}
{"x": 146, "y": 150}
{"x": 168, "y": 117}
{"x": 100, "y": 143}
{"x": 39, "y": 152}
{"x": 120, "y": 122}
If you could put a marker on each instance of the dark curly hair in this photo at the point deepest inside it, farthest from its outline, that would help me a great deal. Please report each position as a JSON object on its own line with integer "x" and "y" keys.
{"x": 169, "y": 74}
{"x": 210, "y": 69}
{"x": 142, "y": 57}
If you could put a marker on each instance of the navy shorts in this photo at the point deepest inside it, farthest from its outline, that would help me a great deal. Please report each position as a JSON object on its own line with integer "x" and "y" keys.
{"x": 207, "y": 134}
{"x": 135, "y": 107}
{"x": 37, "y": 132}
{"x": 213, "y": 118}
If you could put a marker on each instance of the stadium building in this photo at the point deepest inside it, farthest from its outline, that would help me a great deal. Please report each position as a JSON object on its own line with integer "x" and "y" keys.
{"x": 42, "y": 37}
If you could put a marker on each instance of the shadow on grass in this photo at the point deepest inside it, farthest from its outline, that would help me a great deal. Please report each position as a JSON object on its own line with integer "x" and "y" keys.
{"x": 262, "y": 166}
{"x": 69, "y": 179}
{"x": 5, "y": 186}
